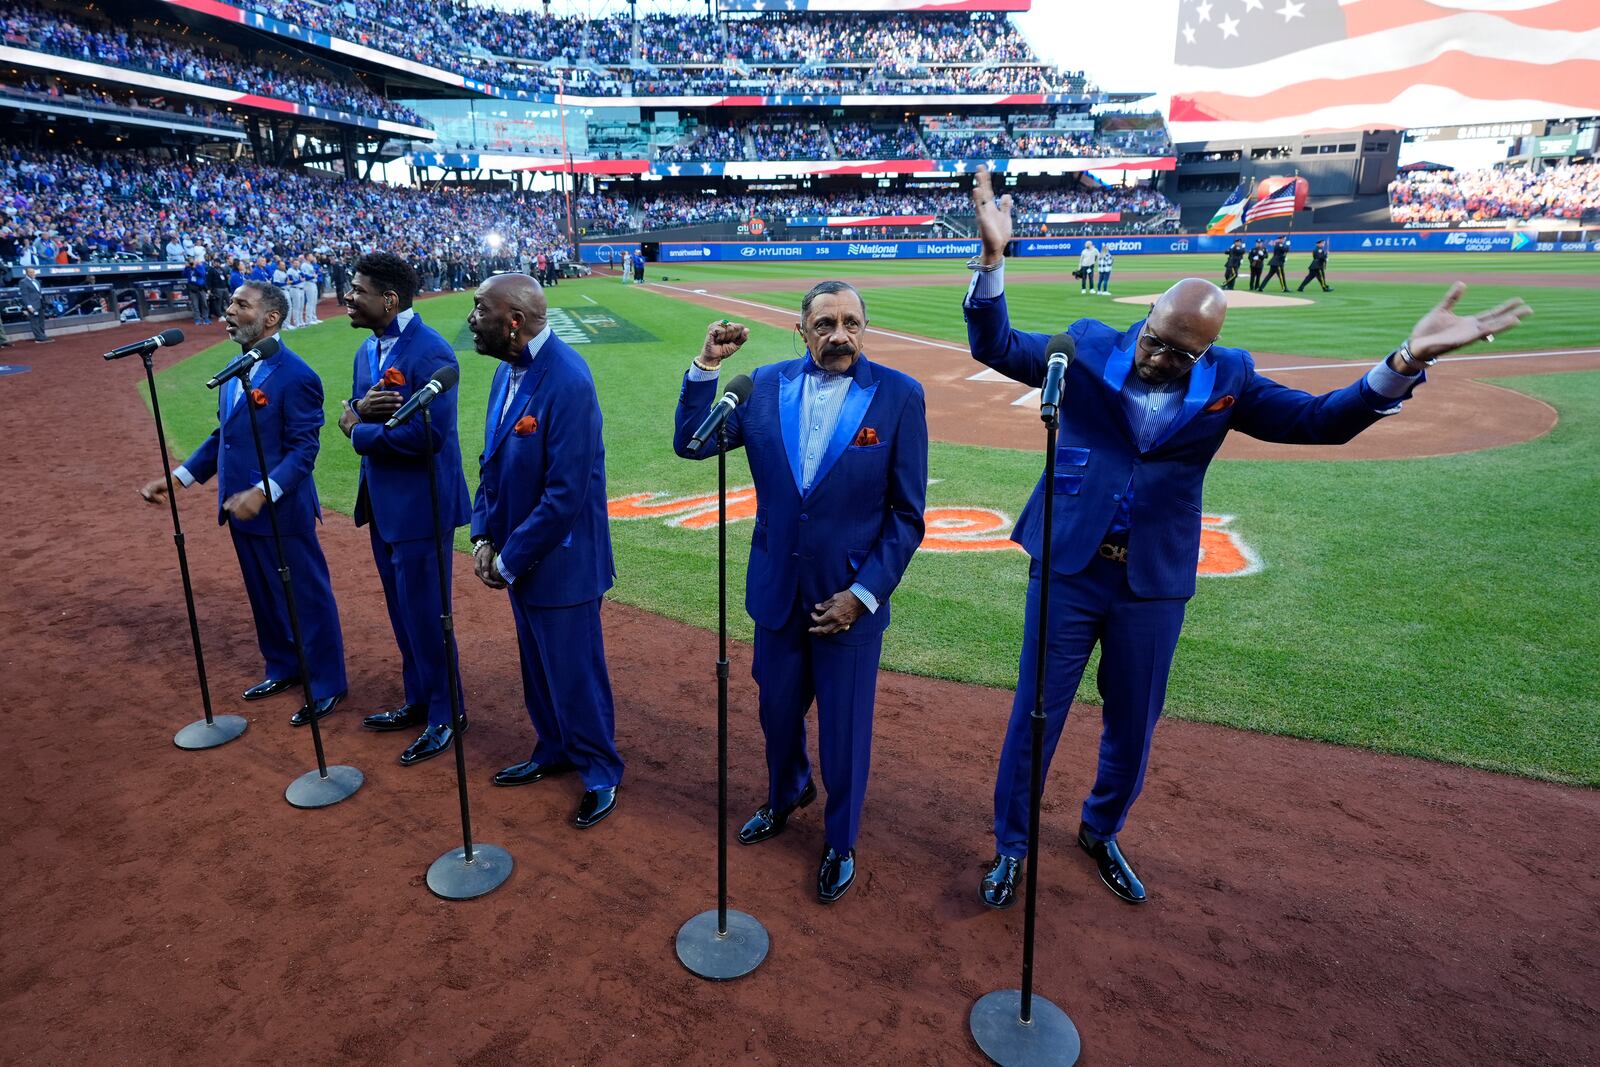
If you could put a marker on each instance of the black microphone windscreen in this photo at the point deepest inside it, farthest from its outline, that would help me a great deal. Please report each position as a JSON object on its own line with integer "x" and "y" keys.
{"x": 171, "y": 337}
{"x": 740, "y": 387}
{"x": 268, "y": 348}
{"x": 1061, "y": 343}
{"x": 446, "y": 378}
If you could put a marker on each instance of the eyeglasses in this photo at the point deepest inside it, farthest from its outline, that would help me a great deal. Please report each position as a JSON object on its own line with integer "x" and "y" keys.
{"x": 1152, "y": 340}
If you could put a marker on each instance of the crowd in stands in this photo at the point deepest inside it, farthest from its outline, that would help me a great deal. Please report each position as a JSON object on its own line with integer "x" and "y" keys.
{"x": 862, "y": 140}
{"x": 677, "y": 209}
{"x": 789, "y": 140}
{"x": 681, "y": 54}
{"x": 65, "y": 93}
{"x": 712, "y": 142}
{"x": 1569, "y": 192}
{"x": 38, "y": 29}
{"x": 100, "y": 206}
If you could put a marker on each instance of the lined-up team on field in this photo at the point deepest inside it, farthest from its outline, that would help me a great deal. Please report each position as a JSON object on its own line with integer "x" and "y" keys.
{"x": 838, "y": 449}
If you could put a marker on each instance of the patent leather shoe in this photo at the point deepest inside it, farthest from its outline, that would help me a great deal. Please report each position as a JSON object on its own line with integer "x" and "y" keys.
{"x": 431, "y": 742}
{"x": 766, "y": 823}
{"x": 270, "y": 688}
{"x": 595, "y": 805}
{"x": 531, "y": 770}
{"x": 322, "y": 708}
{"x": 999, "y": 886}
{"x": 1115, "y": 871}
{"x": 401, "y": 718}
{"x": 835, "y": 874}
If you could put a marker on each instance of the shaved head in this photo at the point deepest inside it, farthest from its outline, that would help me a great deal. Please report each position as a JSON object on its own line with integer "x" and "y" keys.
{"x": 1187, "y": 317}
{"x": 508, "y": 311}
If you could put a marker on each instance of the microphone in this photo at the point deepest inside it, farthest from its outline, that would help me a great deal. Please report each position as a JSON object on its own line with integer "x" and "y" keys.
{"x": 241, "y": 365}
{"x": 1061, "y": 349}
{"x": 737, "y": 392}
{"x": 148, "y": 345}
{"x": 439, "y": 383}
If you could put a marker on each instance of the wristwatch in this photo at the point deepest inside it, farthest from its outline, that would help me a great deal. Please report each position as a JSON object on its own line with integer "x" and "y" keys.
{"x": 1406, "y": 356}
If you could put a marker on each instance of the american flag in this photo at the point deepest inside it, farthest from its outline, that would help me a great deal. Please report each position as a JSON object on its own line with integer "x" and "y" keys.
{"x": 1272, "y": 206}
{"x": 1263, "y": 67}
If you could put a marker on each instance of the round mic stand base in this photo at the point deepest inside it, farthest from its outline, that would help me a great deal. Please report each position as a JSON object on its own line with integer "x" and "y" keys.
{"x": 722, "y": 956}
{"x": 312, "y": 790}
{"x": 1047, "y": 1038}
{"x": 454, "y": 877}
{"x": 203, "y": 734}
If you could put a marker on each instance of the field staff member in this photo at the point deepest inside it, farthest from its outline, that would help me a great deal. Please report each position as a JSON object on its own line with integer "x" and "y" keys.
{"x": 838, "y": 448}
{"x": 1318, "y": 271}
{"x": 392, "y": 496}
{"x": 1144, "y": 411}
{"x": 540, "y": 529}
{"x": 1230, "y": 269}
{"x": 288, "y": 395}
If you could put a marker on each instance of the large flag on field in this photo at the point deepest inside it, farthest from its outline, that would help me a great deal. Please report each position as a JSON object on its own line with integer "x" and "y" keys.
{"x": 1275, "y": 205}
{"x": 1261, "y": 67}
{"x": 1230, "y": 216}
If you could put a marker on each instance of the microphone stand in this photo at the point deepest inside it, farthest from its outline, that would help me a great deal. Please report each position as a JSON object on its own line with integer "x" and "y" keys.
{"x": 326, "y": 785}
{"x": 722, "y": 944}
{"x": 210, "y": 731}
{"x": 1013, "y": 1027}
{"x": 468, "y": 871}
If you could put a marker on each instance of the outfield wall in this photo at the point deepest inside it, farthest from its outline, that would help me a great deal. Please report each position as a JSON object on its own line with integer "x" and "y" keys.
{"x": 1142, "y": 244}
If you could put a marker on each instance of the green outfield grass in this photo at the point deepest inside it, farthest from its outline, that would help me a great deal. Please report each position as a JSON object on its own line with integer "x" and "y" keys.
{"x": 1442, "y": 608}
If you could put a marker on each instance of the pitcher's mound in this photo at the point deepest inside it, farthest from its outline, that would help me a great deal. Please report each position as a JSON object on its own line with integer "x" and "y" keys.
{"x": 1237, "y": 298}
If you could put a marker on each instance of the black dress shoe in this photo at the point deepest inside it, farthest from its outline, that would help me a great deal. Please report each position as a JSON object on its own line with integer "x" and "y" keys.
{"x": 531, "y": 770}
{"x": 595, "y": 805}
{"x": 401, "y": 718}
{"x": 322, "y": 708}
{"x": 767, "y": 823}
{"x": 834, "y": 876}
{"x": 999, "y": 886}
{"x": 270, "y": 688}
{"x": 431, "y": 742}
{"x": 1115, "y": 870}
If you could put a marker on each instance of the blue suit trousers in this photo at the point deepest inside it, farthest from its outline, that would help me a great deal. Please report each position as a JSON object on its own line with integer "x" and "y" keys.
{"x": 1137, "y": 638}
{"x": 313, "y": 601}
{"x": 567, "y": 688}
{"x": 794, "y": 667}
{"x": 409, "y": 571}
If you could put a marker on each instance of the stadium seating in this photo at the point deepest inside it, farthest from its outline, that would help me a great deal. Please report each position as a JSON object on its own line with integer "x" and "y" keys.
{"x": 1511, "y": 193}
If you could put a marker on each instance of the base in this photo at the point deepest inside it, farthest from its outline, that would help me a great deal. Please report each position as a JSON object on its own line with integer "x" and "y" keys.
{"x": 1048, "y": 1038}
{"x": 453, "y": 878}
{"x": 219, "y": 731}
{"x": 311, "y": 790}
{"x": 718, "y": 956}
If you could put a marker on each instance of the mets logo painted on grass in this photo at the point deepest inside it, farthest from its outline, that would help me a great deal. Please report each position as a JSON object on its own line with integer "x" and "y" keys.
{"x": 1223, "y": 553}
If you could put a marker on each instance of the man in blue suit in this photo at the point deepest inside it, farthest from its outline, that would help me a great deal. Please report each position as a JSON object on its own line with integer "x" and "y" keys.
{"x": 838, "y": 448}
{"x": 1144, "y": 410}
{"x": 288, "y": 395}
{"x": 393, "y": 497}
{"x": 540, "y": 529}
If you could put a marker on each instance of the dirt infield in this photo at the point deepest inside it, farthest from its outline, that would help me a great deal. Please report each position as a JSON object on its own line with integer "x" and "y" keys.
{"x": 1310, "y": 904}
{"x": 969, "y": 404}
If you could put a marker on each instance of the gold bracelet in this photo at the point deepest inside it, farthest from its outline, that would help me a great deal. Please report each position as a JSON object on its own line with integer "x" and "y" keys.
{"x": 702, "y": 366}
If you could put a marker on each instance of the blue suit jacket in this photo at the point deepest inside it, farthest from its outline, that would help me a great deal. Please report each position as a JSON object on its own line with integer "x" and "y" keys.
{"x": 290, "y": 423}
{"x": 542, "y": 495}
{"x": 1096, "y": 454}
{"x": 861, "y": 521}
{"x": 393, "y": 489}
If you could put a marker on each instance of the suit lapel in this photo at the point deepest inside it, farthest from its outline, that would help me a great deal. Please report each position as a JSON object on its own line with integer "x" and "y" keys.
{"x": 263, "y": 372}
{"x": 1201, "y": 380}
{"x": 856, "y": 403}
{"x": 791, "y": 381}
{"x": 530, "y": 380}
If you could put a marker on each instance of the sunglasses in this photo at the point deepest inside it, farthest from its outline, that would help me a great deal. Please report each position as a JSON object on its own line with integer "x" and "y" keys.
{"x": 1152, "y": 341}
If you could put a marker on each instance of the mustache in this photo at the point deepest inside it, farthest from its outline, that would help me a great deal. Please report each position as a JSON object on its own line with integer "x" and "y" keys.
{"x": 838, "y": 350}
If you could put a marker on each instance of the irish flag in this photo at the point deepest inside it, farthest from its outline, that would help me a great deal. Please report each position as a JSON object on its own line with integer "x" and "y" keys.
{"x": 1230, "y": 216}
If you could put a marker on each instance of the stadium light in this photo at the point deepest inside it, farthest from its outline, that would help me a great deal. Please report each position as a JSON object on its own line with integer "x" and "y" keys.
{"x": 493, "y": 240}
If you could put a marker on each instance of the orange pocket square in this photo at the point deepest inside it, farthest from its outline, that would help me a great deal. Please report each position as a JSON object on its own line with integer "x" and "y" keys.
{"x": 393, "y": 377}
{"x": 867, "y": 436}
{"x": 1222, "y": 403}
{"x": 525, "y": 426}
{"x": 258, "y": 398}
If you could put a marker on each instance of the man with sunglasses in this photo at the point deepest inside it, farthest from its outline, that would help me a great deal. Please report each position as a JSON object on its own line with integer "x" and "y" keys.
{"x": 1144, "y": 411}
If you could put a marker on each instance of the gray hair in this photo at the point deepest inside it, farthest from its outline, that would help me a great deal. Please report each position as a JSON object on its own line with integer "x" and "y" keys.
{"x": 272, "y": 298}
{"x": 826, "y": 289}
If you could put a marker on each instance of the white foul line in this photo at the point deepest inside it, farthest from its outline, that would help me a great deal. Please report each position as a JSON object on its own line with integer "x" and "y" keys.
{"x": 591, "y": 299}
{"x": 1448, "y": 359}
{"x": 791, "y": 311}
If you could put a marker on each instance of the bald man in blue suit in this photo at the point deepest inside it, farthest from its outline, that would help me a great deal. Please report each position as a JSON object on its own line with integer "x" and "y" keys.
{"x": 838, "y": 448}
{"x": 1143, "y": 411}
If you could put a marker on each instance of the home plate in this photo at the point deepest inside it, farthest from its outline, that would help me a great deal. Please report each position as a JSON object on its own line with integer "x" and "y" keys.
{"x": 1237, "y": 298}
